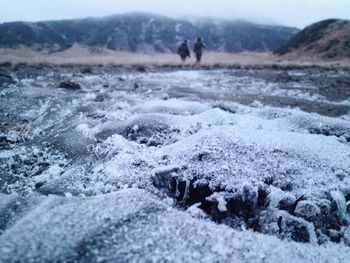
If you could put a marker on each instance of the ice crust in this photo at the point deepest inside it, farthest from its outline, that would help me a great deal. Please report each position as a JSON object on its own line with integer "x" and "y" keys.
{"x": 132, "y": 225}
{"x": 101, "y": 174}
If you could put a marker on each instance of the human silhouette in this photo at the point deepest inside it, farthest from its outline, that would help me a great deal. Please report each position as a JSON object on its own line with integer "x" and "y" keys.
{"x": 184, "y": 51}
{"x": 198, "y": 49}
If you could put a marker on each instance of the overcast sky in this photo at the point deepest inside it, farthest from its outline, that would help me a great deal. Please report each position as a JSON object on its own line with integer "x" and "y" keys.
{"x": 297, "y": 13}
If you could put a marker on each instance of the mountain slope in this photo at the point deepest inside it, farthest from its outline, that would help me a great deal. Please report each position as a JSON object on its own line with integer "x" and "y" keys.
{"x": 327, "y": 39}
{"x": 139, "y": 32}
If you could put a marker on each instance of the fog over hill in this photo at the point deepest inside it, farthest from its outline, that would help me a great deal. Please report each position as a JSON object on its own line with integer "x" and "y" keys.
{"x": 141, "y": 32}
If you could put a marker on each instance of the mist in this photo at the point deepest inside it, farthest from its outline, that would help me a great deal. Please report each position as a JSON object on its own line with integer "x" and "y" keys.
{"x": 263, "y": 11}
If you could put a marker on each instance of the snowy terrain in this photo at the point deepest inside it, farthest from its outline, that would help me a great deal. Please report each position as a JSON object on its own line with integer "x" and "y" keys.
{"x": 185, "y": 165}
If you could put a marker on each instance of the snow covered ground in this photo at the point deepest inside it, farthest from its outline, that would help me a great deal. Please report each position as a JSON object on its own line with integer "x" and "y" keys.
{"x": 184, "y": 165}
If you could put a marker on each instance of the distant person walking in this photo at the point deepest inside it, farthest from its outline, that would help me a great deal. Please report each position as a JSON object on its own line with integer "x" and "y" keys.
{"x": 184, "y": 51}
{"x": 198, "y": 49}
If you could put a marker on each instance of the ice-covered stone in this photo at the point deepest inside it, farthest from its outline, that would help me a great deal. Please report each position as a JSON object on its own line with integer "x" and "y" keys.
{"x": 296, "y": 228}
{"x": 220, "y": 200}
{"x": 286, "y": 226}
{"x": 307, "y": 210}
{"x": 340, "y": 202}
{"x": 196, "y": 212}
{"x": 346, "y": 234}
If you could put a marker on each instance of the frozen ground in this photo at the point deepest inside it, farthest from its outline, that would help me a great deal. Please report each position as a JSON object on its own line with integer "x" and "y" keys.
{"x": 185, "y": 165}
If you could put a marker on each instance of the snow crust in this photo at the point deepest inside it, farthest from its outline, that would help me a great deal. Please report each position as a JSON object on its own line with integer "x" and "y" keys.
{"x": 133, "y": 225}
{"x": 88, "y": 175}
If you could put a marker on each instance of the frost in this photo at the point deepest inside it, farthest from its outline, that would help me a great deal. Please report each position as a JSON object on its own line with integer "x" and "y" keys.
{"x": 172, "y": 106}
{"x": 133, "y": 225}
{"x": 307, "y": 210}
{"x": 86, "y": 131}
{"x": 111, "y": 172}
{"x": 340, "y": 201}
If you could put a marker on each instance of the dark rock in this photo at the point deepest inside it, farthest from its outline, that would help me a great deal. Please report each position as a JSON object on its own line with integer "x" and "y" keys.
{"x": 86, "y": 70}
{"x": 335, "y": 235}
{"x": 101, "y": 97}
{"x": 334, "y": 130}
{"x": 39, "y": 184}
{"x": 70, "y": 85}
{"x": 6, "y": 78}
{"x": 136, "y": 85}
{"x": 262, "y": 196}
{"x": 283, "y": 77}
{"x": 269, "y": 180}
{"x": 286, "y": 186}
{"x": 340, "y": 175}
{"x": 141, "y": 69}
{"x": 287, "y": 203}
{"x": 329, "y": 219}
{"x": 249, "y": 197}
{"x": 5, "y": 143}
{"x": 199, "y": 191}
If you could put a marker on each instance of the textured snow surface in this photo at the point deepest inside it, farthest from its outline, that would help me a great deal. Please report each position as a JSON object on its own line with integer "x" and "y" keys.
{"x": 118, "y": 171}
{"x": 132, "y": 225}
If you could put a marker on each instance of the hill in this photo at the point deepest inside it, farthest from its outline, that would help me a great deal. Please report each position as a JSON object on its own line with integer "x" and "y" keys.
{"x": 140, "y": 32}
{"x": 326, "y": 39}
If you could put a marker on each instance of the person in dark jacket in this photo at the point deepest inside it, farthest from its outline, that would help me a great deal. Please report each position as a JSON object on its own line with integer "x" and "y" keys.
{"x": 198, "y": 49}
{"x": 184, "y": 51}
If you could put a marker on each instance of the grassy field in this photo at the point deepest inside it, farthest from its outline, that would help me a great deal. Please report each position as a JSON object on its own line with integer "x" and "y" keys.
{"x": 83, "y": 56}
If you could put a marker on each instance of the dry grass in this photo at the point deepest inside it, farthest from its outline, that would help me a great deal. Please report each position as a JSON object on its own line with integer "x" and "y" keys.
{"x": 83, "y": 56}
